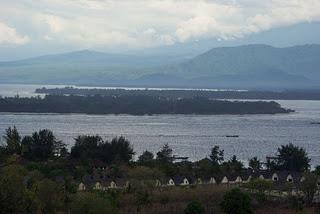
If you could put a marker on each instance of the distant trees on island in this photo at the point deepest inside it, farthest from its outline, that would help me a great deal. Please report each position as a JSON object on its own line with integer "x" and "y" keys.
{"x": 189, "y": 93}
{"x": 40, "y": 173}
{"x": 136, "y": 105}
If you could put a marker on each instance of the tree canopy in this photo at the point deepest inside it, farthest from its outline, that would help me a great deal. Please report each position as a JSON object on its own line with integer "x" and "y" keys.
{"x": 165, "y": 154}
{"x": 294, "y": 158}
{"x": 217, "y": 155}
{"x": 94, "y": 148}
{"x": 236, "y": 202}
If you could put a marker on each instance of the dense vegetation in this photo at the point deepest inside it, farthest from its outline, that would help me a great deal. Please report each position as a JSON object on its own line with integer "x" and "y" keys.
{"x": 42, "y": 176}
{"x": 180, "y": 93}
{"x": 136, "y": 105}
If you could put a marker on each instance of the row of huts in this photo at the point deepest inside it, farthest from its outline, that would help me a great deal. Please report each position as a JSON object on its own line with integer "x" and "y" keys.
{"x": 280, "y": 178}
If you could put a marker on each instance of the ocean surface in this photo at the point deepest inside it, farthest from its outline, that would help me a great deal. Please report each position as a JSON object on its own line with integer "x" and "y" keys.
{"x": 189, "y": 135}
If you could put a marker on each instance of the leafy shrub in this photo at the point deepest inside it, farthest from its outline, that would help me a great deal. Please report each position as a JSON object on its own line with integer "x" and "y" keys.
{"x": 236, "y": 202}
{"x": 194, "y": 207}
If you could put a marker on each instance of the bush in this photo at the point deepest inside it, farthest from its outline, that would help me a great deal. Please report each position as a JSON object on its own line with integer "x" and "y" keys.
{"x": 236, "y": 202}
{"x": 194, "y": 207}
{"x": 91, "y": 203}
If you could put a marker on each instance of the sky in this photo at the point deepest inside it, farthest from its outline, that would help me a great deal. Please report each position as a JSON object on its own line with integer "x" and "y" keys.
{"x": 45, "y": 26}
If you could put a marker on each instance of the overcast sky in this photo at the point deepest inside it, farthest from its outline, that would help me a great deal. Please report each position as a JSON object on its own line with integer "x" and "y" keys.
{"x": 136, "y": 24}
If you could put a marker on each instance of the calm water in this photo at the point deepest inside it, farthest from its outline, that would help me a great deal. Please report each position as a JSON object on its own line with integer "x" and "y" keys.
{"x": 192, "y": 136}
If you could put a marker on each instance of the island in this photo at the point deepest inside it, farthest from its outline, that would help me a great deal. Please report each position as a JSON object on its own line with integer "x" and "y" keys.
{"x": 136, "y": 105}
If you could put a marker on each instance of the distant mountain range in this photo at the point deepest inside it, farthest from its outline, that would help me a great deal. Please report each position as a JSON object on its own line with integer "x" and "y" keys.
{"x": 249, "y": 66}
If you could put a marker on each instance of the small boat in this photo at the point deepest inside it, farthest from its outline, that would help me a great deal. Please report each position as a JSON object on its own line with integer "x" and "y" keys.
{"x": 232, "y": 135}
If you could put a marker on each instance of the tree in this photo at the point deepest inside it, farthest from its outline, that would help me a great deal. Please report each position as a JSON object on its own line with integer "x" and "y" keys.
{"x": 49, "y": 196}
{"x": 26, "y": 147}
{"x": 217, "y": 155}
{"x": 121, "y": 150}
{"x": 165, "y": 154}
{"x": 236, "y": 202}
{"x": 261, "y": 186}
{"x": 94, "y": 148}
{"x": 255, "y": 164}
{"x": 233, "y": 164}
{"x": 13, "y": 140}
{"x": 86, "y": 147}
{"x": 194, "y": 207}
{"x": 292, "y": 158}
{"x": 146, "y": 157}
{"x": 44, "y": 145}
{"x": 309, "y": 186}
{"x": 317, "y": 170}
{"x": 142, "y": 198}
{"x": 14, "y": 197}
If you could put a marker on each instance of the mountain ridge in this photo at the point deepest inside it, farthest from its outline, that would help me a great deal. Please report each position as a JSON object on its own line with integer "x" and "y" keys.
{"x": 251, "y": 65}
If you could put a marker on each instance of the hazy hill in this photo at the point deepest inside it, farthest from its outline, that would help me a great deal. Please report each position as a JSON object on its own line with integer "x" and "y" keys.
{"x": 80, "y": 67}
{"x": 297, "y": 60}
{"x": 249, "y": 66}
{"x": 253, "y": 65}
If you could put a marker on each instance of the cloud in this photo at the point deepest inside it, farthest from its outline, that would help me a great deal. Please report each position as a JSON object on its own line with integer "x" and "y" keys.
{"x": 149, "y": 23}
{"x": 9, "y": 35}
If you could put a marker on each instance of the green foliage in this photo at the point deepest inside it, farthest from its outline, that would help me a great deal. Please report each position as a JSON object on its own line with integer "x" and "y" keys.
{"x": 194, "y": 207}
{"x": 13, "y": 140}
{"x": 142, "y": 198}
{"x": 165, "y": 154}
{"x": 233, "y": 165}
{"x": 145, "y": 173}
{"x": 49, "y": 196}
{"x": 86, "y": 147}
{"x": 90, "y": 203}
{"x": 236, "y": 202}
{"x": 205, "y": 168}
{"x": 135, "y": 105}
{"x": 317, "y": 170}
{"x": 309, "y": 186}
{"x": 146, "y": 157}
{"x": 41, "y": 146}
{"x": 217, "y": 155}
{"x": 121, "y": 150}
{"x": 260, "y": 185}
{"x": 14, "y": 197}
{"x": 255, "y": 164}
{"x": 296, "y": 202}
{"x": 293, "y": 158}
{"x": 94, "y": 148}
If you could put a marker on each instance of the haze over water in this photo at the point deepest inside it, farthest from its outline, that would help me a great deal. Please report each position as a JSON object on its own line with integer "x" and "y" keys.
{"x": 189, "y": 135}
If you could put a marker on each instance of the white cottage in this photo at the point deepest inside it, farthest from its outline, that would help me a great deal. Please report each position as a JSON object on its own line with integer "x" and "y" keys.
{"x": 212, "y": 181}
{"x": 289, "y": 178}
{"x": 97, "y": 186}
{"x": 112, "y": 185}
{"x": 81, "y": 187}
{"x": 184, "y": 182}
{"x": 171, "y": 182}
{"x": 224, "y": 180}
{"x": 275, "y": 177}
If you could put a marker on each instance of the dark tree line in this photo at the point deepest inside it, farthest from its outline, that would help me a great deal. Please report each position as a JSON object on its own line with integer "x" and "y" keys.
{"x": 43, "y": 145}
{"x": 136, "y": 105}
{"x": 39, "y": 146}
{"x": 88, "y": 148}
